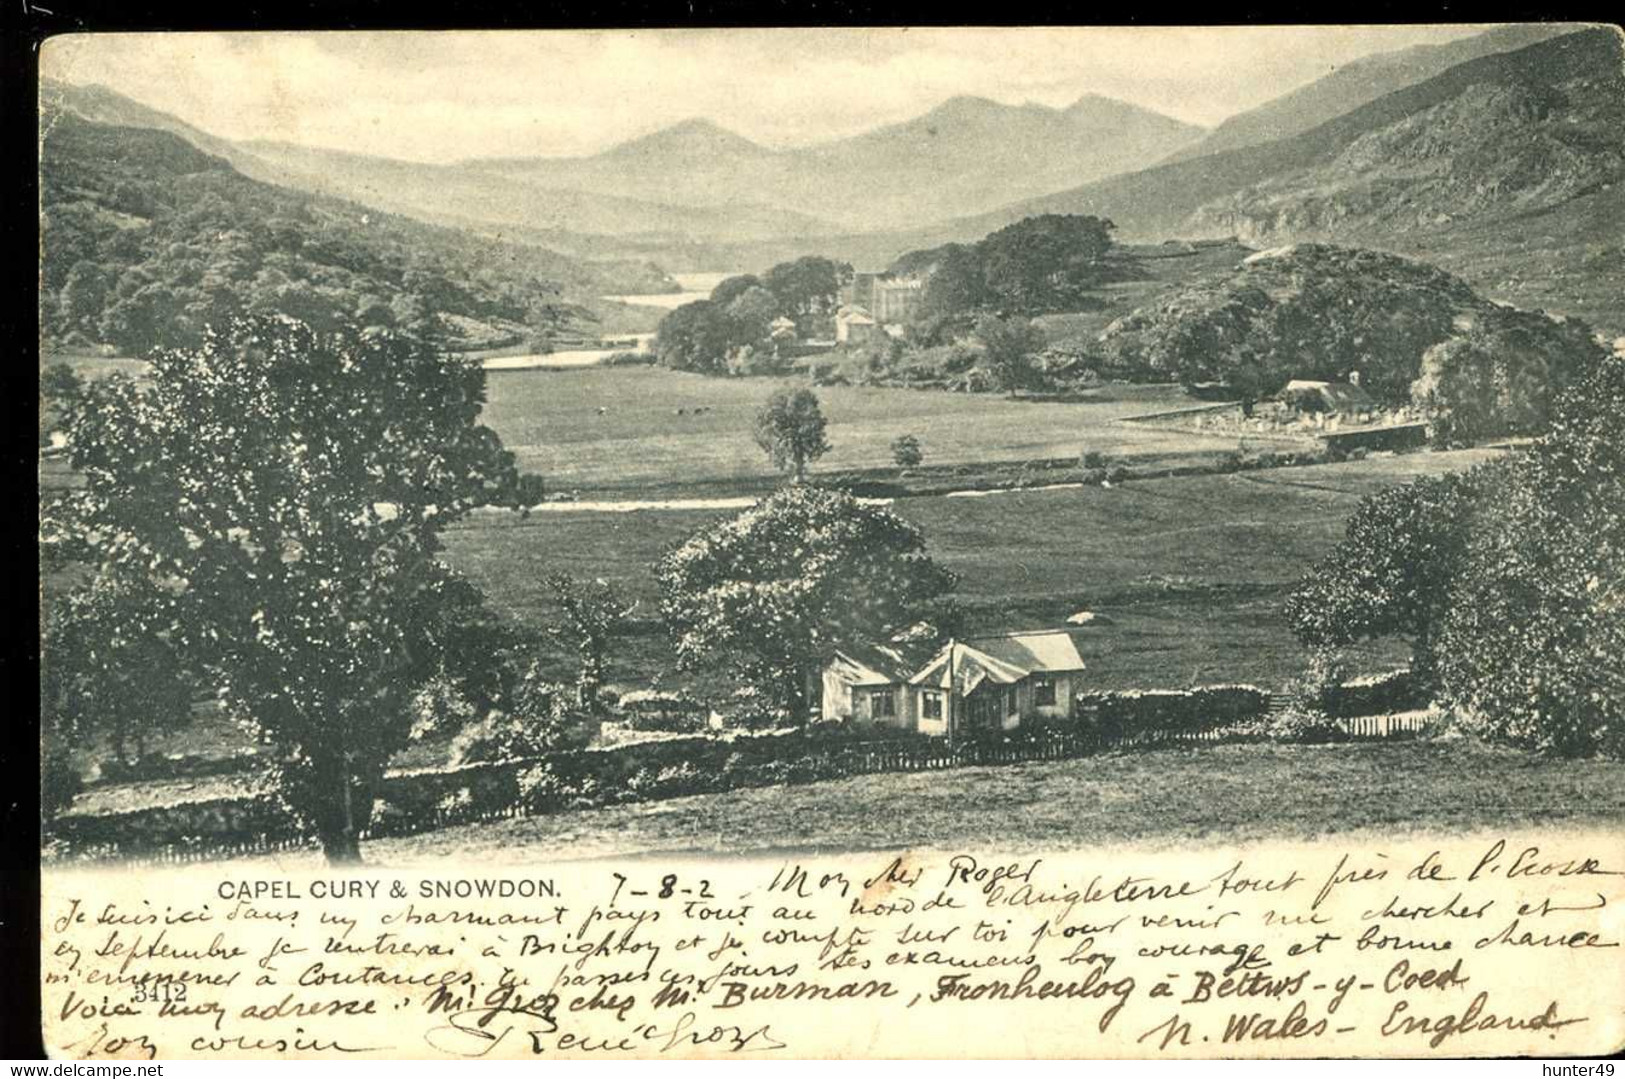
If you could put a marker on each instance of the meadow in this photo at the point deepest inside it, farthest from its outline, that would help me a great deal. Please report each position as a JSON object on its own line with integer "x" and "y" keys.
{"x": 645, "y": 428}
{"x": 1188, "y": 573}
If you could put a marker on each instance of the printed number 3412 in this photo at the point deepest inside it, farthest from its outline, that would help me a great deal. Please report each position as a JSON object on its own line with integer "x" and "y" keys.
{"x": 160, "y": 993}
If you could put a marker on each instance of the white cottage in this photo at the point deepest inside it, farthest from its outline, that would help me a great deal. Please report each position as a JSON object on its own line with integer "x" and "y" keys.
{"x": 975, "y": 684}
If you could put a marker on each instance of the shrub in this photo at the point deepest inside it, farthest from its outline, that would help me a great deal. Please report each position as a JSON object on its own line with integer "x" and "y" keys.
{"x": 1094, "y": 477}
{"x": 535, "y": 727}
{"x": 388, "y": 818}
{"x": 1093, "y": 459}
{"x": 456, "y": 803}
{"x": 1301, "y": 725}
{"x": 541, "y": 788}
{"x": 1116, "y": 474}
{"x": 1317, "y": 686}
{"x": 906, "y": 452}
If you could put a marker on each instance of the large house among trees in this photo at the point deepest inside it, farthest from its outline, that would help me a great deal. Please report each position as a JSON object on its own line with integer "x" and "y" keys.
{"x": 871, "y": 303}
{"x": 968, "y": 686}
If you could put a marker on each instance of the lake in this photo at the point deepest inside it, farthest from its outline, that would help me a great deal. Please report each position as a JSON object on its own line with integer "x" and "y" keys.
{"x": 695, "y": 286}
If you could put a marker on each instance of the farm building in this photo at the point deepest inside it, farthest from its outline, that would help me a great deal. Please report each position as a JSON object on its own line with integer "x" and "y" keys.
{"x": 1346, "y": 398}
{"x": 853, "y": 326}
{"x": 976, "y": 684}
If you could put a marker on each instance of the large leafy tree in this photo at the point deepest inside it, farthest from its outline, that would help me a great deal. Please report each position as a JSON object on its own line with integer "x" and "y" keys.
{"x": 1045, "y": 263}
{"x": 790, "y": 430}
{"x": 953, "y": 295}
{"x": 809, "y": 289}
{"x": 1502, "y": 374}
{"x": 802, "y": 571}
{"x": 1011, "y": 345}
{"x": 1394, "y": 572}
{"x": 113, "y": 671}
{"x": 695, "y": 337}
{"x": 282, "y": 491}
{"x": 1509, "y": 579}
{"x": 1532, "y": 650}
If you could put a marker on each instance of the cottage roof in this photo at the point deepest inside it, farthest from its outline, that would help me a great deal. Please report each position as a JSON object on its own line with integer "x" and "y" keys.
{"x": 1337, "y": 396}
{"x": 1004, "y": 659}
{"x": 882, "y": 664}
{"x": 856, "y": 317}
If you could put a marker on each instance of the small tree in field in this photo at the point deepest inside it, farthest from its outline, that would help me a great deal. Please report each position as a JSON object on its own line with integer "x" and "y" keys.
{"x": 790, "y": 430}
{"x": 906, "y": 452}
{"x": 280, "y": 493}
{"x": 803, "y": 570}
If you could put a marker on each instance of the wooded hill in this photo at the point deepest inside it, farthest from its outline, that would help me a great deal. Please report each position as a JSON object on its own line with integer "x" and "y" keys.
{"x": 147, "y": 239}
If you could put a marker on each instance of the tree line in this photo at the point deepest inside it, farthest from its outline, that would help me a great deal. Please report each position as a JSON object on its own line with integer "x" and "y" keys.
{"x": 732, "y": 331}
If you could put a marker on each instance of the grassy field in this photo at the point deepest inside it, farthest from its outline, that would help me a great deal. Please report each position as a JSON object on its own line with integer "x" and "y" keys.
{"x": 1233, "y": 794}
{"x": 1191, "y": 571}
{"x": 649, "y": 434}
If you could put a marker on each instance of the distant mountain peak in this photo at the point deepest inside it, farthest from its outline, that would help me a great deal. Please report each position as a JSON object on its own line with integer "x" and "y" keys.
{"x": 695, "y": 135}
{"x": 1098, "y": 108}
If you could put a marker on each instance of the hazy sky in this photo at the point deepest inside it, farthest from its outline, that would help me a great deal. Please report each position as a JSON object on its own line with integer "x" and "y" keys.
{"x": 443, "y": 96}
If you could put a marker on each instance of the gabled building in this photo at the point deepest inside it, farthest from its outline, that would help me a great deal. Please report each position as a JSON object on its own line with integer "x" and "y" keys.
{"x": 854, "y": 326}
{"x": 978, "y": 684}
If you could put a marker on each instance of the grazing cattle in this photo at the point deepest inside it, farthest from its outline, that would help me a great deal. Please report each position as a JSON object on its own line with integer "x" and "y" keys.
{"x": 602, "y": 410}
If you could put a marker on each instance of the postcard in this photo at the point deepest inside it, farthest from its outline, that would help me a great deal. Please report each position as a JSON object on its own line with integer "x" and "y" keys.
{"x": 833, "y": 543}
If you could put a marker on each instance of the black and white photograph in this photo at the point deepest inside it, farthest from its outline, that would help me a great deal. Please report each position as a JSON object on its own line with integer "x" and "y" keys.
{"x": 507, "y": 448}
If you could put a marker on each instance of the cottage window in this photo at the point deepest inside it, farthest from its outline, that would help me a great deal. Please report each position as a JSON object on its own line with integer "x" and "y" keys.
{"x": 1043, "y": 691}
{"x": 882, "y": 704}
{"x": 931, "y": 704}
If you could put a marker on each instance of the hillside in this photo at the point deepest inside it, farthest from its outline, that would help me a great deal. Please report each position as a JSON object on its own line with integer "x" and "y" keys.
{"x": 1475, "y": 168}
{"x": 1354, "y": 84}
{"x": 148, "y": 238}
{"x": 444, "y": 194}
{"x": 447, "y": 192}
{"x": 699, "y": 196}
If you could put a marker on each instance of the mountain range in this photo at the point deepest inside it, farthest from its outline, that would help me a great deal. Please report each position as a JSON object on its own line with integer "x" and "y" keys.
{"x": 1508, "y": 169}
{"x": 967, "y": 155}
{"x": 698, "y": 181}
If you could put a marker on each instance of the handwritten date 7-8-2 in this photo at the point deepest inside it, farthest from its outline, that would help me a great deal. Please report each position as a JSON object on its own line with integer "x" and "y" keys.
{"x": 669, "y": 887}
